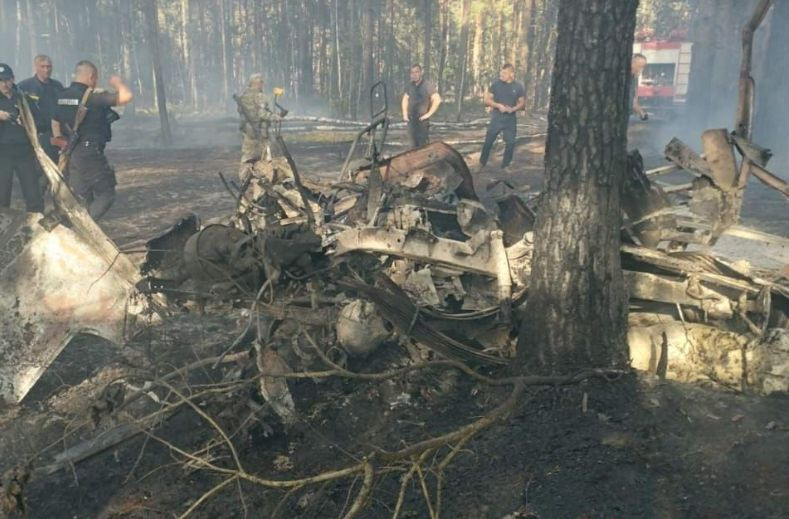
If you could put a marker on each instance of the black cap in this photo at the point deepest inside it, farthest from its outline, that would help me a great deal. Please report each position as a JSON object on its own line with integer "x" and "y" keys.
{"x": 5, "y": 72}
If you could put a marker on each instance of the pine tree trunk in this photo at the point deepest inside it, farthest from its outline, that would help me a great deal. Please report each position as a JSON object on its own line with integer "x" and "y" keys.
{"x": 227, "y": 55}
{"x": 462, "y": 62}
{"x": 336, "y": 69}
{"x": 151, "y": 14}
{"x": 428, "y": 36}
{"x": 307, "y": 84}
{"x": 476, "y": 55}
{"x": 544, "y": 54}
{"x": 368, "y": 19}
{"x": 444, "y": 14}
{"x": 531, "y": 54}
{"x": 576, "y": 314}
{"x": 31, "y": 30}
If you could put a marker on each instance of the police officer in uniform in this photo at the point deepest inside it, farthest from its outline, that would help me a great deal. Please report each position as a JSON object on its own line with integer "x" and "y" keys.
{"x": 256, "y": 117}
{"x": 44, "y": 91}
{"x": 505, "y": 97}
{"x": 90, "y": 175}
{"x": 16, "y": 151}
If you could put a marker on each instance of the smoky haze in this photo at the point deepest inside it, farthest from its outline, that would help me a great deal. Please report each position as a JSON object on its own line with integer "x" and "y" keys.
{"x": 327, "y": 53}
{"x": 771, "y": 122}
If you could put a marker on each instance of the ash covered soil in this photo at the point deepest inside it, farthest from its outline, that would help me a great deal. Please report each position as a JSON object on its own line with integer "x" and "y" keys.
{"x": 630, "y": 447}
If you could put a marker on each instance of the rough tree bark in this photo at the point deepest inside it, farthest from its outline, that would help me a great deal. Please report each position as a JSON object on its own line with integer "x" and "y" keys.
{"x": 151, "y": 14}
{"x": 427, "y": 12}
{"x": 576, "y": 314}
{"x": 443, "y": 16}
{"x": 462, "y": 62}
{"x": 530, "y": 52}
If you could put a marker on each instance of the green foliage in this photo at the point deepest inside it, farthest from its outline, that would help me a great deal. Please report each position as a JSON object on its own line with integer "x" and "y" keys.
{"x": 325, "y": 53}
{"x": 664, "y": 16}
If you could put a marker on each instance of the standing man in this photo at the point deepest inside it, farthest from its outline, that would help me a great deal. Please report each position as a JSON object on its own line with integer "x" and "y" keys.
{"x": 44, "y": 91}
{"x": 505, "y": 97}
{"x": 16, "y": 151}
{"x": 256, "y": 118}
{"x": 81, "y": 127}
{"x": 637, "y": 65}
{"x": 420, "y": 102}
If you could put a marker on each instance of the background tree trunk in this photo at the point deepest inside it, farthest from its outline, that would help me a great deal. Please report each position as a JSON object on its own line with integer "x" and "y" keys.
{"x": 327, "y": 51}
{"x": 576, "y": 314}
{"x": 151, "y": 14}
{"x": 427, "y": 12}
{"x": 462, "y": 62}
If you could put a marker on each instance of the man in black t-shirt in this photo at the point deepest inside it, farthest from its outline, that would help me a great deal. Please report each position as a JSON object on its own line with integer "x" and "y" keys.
{"x": 90, "y": 175}
{"x": 505, "y": 97}
{"x": 16, "y": 152}
{"x": 44, "y": 90}
{"x": 420, "y": 102}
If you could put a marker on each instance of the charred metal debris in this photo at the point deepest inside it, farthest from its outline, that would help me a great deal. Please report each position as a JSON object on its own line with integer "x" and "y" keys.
{"x": 405, "y": 250}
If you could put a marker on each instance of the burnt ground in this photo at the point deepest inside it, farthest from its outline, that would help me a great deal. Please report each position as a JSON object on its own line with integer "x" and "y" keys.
{"x": 638, "y": 448}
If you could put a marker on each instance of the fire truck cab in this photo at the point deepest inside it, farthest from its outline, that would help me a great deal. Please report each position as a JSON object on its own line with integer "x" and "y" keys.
{"x": 664, "y": 82}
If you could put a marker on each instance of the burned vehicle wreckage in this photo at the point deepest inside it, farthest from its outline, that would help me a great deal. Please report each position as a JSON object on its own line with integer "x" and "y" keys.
{"x": 404, "y": 249}
{"x": 401, "y": 257}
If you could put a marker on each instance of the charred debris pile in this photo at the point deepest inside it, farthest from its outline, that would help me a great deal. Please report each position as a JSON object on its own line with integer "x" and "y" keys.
{"x": 400, "y": 258}
{"x": 404, "y": 251}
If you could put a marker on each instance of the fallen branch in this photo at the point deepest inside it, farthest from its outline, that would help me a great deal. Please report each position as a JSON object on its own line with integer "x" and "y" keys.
{"x": 208, "y": 495}
{"x": 364, "y": 492}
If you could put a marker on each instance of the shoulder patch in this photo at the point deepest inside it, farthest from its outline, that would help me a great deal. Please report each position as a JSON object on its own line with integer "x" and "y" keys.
{"x": 98, "y": 90}
{"x": 68, "y": 102}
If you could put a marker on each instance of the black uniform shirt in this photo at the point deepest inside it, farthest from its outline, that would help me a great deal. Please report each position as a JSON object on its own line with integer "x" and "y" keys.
{"x": 419, "y": 98}
{"x": 96, "y": 125}
{"x": 46, "y": 97}
{"x": 11, "y": 132}
{"x": 506, "y": 94}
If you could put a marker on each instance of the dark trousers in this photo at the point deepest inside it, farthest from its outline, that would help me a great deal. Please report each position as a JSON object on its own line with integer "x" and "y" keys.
{"x": 418, "y": 132}
{"x": 20, "y": 159}
{"x": 496, "y": 126}
{"x": 92, "y": 178}
{"x": 51, "y": 151}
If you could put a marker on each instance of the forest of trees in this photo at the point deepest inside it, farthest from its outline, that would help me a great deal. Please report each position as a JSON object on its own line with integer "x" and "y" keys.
{"x": 325, "y": 53}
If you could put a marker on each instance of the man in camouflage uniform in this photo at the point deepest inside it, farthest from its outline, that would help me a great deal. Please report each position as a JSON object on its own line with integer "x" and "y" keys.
{"x": 256, "y": 118}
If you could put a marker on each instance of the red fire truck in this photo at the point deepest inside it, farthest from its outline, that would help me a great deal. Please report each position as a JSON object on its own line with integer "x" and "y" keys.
{"x": 664, "y": 82}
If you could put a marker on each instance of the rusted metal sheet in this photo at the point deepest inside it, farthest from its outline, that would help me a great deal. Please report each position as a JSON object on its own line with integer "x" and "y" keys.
{"x": 645, "y": 204}
{"x": 420, "y": 245}
{"x": 719, "y": 156}
{"x": 432, "y": 169}
{"x": 685, "y": 158}
{"x": 651, "y": 287}
{"x": 397, "y": 308}
{"x": 53, "y": 286}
